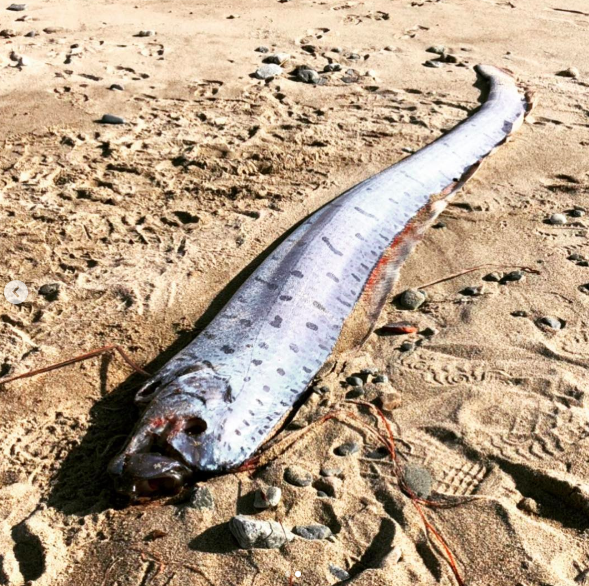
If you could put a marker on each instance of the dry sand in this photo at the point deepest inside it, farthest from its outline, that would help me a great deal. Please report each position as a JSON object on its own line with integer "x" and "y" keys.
{"x": 147, "y": 226}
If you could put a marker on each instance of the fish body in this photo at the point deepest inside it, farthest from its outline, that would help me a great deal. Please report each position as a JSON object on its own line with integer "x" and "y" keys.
{"x": 214, "y": 403}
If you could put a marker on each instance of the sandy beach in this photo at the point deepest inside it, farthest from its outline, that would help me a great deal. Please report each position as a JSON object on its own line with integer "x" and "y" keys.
{"x": 137, "y": 233}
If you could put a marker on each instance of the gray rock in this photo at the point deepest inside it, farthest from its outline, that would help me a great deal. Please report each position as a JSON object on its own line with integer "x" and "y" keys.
{"x": 519, "y": 313}
{"x": 576, "y": 257}
{"x": 322, "y": 495}
{"x": 53, "y": 30}
{"x": 267, "y": 497}
{"x": 117, "y": 87}
{"x": 407, "y": 346}
{"x": 308, "y": 76}
{"x": 262, "y": 49}
{"x": 312, "y": 531}
{"x": 337, "y": 50}
{"x": 328, "y": 472}
{"x": 50, "y": 291}
{"x": 451, "y": 58}
{"x": 201, "y": 499}
{"x": 347, "y": 449}
{"x": 369, "y": 371}
{"x": 17, "y": 7}
{"x": 428, "y": 332}
{"x": 493, "y": 277}
{"x": 513, "y": 276}
{"x": 557, "y": 219}
{"x": 112, "y": 119}
{"x": 551, "y": 322}
{"x": 577, "y": 213}
{"x": 380, "y": 378}
{"x": 437, "y": 49}
{"x": 255, "y": 534}
{"x": 330, "y": 67}
{"x": 147, "y": 33}
{"x": 339, "y": 573}
{"x": 570, "y": 72}
{"x": 471, "y": 291}
{"x": 431, "y": 63}
{"x": 355, "y": 381}
{"x": 278, "y": 58}
{"x": 418, "y": 480}
{"x": 412, "y": 299}
{"x": 268, "y": 71}
{"x": 8, "y": 33}
{"x": 298, "y": 476}
{"x": 31, "y": 34}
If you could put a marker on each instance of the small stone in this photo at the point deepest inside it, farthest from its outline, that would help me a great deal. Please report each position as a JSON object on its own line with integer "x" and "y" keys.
{"x": 332, "y": 67}
{"x": 312, "y": 531}
{"x": 439, "y": 225}
{"x": 519, "y": 313}
{"x": 268, "y": 71}
{"x": 117, "y": 87}
{"x": 550, "y": 322}
{"x": 322, "y": 495}
{"x": 355, "y": 393}
{"x": 577, "y": 213}
{"x": 513, "y": 276}
{"x": 407, "y": 347}
{"x": 557, "y": 219}
{"x": 493, "y": 277}
{"x": 7, "y": 33}
{"x": 17, "y": 7}
{"x": 268, "y": 497}
{"x": 369, "y": 372}
{"x": 347, "y": 449}
{"x": 471, "y": 291}
{"x": 355, "y": 381}
{"x": 112, "y": 119}
{"x": 31, "y": 34}
{"x": 201, "y": 499}
{"x": 380, "y": 379}
{"x": 298, "y": 476}
{"x": 353, "y": 56}
{"x": 529, "y": 505}
{"x": 328, "y": 472}
{"x": 388, "y": 401}
{"x": 412, "y": 299}
{"x": 575, "y": 257}
{"x": 437, "y": 49}
{"x": 428, "y": 332}
{"x": 277, "y": 58}
{"x": 337, "y": 50}
{"x": 52, "y": 30}
{"x": 262, "y": 49}
{"x": 339, "y": 573}
{"x": 418, "y": 480}
{"x": 390, "y": 48}
{"x": 50, "y": 291}
{"x": 431, "y": 63}
{"x": 255, "y": 534}
{"x": 146, "y": 33}
{"x": 584, "y": 288}
{"x": 449, "y": 58}
{"x": 308, "y": 76}
{"x": 572, "y": 72}
{"x": 323, "y": 389}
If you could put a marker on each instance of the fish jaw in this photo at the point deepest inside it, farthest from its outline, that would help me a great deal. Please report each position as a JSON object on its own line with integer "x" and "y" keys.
{"x": 176, "y": 438}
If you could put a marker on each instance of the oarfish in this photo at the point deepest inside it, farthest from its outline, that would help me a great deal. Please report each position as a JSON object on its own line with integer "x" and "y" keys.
{"x": 213, "y": 404}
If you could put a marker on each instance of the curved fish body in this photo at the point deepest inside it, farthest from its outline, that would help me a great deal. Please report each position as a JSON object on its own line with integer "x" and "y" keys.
{"x": 212, "y": 405}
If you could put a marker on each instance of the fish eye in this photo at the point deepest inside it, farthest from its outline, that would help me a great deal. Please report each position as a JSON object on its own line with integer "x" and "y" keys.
{"x": 195, "y": 426}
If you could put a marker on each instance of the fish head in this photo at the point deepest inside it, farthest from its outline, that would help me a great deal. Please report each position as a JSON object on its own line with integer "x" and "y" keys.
{"x": 175, "y": 439}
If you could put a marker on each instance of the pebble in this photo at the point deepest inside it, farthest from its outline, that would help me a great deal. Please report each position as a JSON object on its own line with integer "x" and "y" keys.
{"x": 17, "y": 7}
{"x": 428, "y": 332}
{"x": 431, "y": 63}
{"x": 339, "y": 573}
{"x": 437, "y": 49}
{"x": 278, "y": 58}
{"x": 268, "y": 71}
{"x": 52, "y": 30}
{"x": 148, "y": 33}
{"x": 312, "y": 531}
{"x": 439, "y": 225}
{"x": 308, "y": 76}
{"x": 268, "y": 497}
{"x": 324, "y": 389}
{"x": 493, "y": 277}
{"x": 353, "y": 56}
{"x": 557, "y": 219}
{"x": 255, "y": 534}
{"x": 529, "y": 505}
{"x": 50, "y": 291}
{"x": 112, "y": 119}
{"x": 513, "y": 276}
{"x": 355, "y": 381}
{"x": 519, "y": 313}
{"x": 337, "y": 50}
{"x": 117, "y": 87}
{"x": 550, "y": 322}
{"x": 201, "y": 499}
{"x": 418, "y": 479}
{"x": 8, "y": 33}
{"x": 471, "y": 291}
{"x": 380, "y": 379}
{"x": 412, "y": 299}
{"x": 322, "y": 495}
{"x": 577, "y": 213}
{"x": 347, "y": 449}
{"x": 576, "y": 257}
{"x": 584, "y": 288}
{"x": 450, "y": 58}
{"x": 407, "y": 346}
{"x": 262, "y": 49}
{"x": 369, "y": 371}
{"x": 570, "y": 72}
{"x": 298, "y": 476}
{"x": 390, "y": 48}
{"x": 328, "y": 472}
{"x": 332, "y": 67}
{"x": 31, "y": 34}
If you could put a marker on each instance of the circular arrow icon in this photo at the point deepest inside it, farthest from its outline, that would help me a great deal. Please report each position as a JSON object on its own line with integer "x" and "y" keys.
{"x": 16, "y": 292}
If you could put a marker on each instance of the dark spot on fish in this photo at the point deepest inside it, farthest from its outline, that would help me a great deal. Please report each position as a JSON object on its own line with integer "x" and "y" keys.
{"x": 356, "y": 277}
{"x": 208, "y": 335}
{"x": 276, "y": 322}
{"x": 251, "y": 412}
{"x": 266, "y": 388}
{"x": 285, "y": 298}
{"x": 263, "y": 345}
{"x": 241, "y": 299}
{"x": 332, "y": 277}
{"x": 331, "y": 246}
{"x": 270, "y": 286}
{"x": 297, "y": 274}
{"x": 365, "y": 213}
{"x": 323, "y": 347}
{"x": 384, "y": 237}
{"x": 247, "y": 379}
{"x": 237, "y": 432}
{"x": 360, "y": 237}
{"x": 344, "y": 303}
{"x": 245, "y": 323}
{"x": 307, "y": 369}
{"x": 312, "y": 326}
{"x": 284, "y": 404}
{"x": 374, "y": 253}
{"x": 258, "y": 401}
{"x": 256, "y": 362}
{"x": 227, "y": 349}
{"x": 246, "y": 423}
{"x": 280, "y": 371}
{"x": 364, "y": 266}
{"x": 294, "y": 391}
{"x": 294, "y": 348}
{"x": 318, "y": 306}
